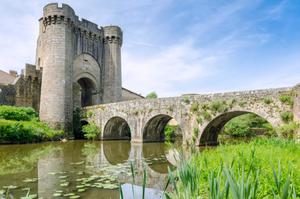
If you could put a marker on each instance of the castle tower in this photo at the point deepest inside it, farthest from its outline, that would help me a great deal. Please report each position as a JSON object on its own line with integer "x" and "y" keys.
{"x": 55, "y": 54}
{"x": 112, "y": 64}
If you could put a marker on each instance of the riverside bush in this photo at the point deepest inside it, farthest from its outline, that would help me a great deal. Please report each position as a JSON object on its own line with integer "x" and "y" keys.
{"x": 170, "y": 132}
{"x": 91, "y": 131}
{"x": 244, "y": 126}
{"x": 26, "y": 132}
{"x": 17, "y": 113}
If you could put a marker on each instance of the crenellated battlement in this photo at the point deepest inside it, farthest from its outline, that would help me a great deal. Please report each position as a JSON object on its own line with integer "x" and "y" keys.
{"x": 113, "y": 34}
{"x": 53, "y": 9}
{"x": 54, "y": 14}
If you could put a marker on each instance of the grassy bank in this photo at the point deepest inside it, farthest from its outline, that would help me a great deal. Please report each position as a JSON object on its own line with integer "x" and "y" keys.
{"x": 21, "y": 125}
{"x": 262, "y": 168}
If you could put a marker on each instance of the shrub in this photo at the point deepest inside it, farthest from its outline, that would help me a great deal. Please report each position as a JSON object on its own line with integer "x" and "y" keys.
{"x": 242, "y": 103}
{"x": 17, "y": 113}
{"x": 152, "y": 95}
{"x": 26, "y": 131}
{"x": 289, "y": 130}
{"x": 194, "y": 107}
{"x": 199, "y": 120}
{"x": 219, "y": 107}
{"x": 91, "y": 131}
{"x": 186, "y": 100}
{"x": 170, "y": 131}
{"x": 205, "y": 107}
{"x": 206, "y": 115}
{"x": 196, "y": 132}
{"x": 287, "y": 116}
{"x": 268, "y": 100}
{"x": 245, "y": 125}
{"x": 238, "y": 128}
{"x": 287, "y": 99}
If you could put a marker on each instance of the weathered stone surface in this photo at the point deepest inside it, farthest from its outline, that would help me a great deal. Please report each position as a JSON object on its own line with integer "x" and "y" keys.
{"x": 147, "y": 118}
{"x": 81, "y": 64}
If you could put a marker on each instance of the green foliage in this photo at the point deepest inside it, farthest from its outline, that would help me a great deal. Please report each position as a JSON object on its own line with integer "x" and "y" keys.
{"x": 242, "y": 104}
{"x": 26, "y": 131}
{"x": 196, "y": 132}
{"x": 194, "y": 107}
{"x": 289, "y": 130}
{"x": 170, "y": 131}
{"x": 268, "y": 100}
{"x": 21, "y": 125}
{"x": 287, "y": 116}
{"x": 231, "y": 103}
{"x": 17, "y": 113}
{"x": 152, "y": 95}
{"x": 206, "y": 115}
{"x": 245, "y": 126}
{"x": 199, "y": 120}
{"x": 205, "y": 107}
{"x": 219, "y": 106}
{"x": 240, "y": 171}
{"x": 90, "y": 113}
{"x": 186, "y": 100}
{"x": 287, "y": 99}
{"x": 91, "y": 131}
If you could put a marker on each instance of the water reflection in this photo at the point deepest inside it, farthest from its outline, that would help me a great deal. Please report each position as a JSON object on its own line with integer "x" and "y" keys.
{"x": 66, "y": 166}
{"x": 116, "y": 152}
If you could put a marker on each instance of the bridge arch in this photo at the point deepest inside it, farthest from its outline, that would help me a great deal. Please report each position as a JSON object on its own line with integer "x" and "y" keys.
{"x": 211, "y": 130}
{"x": 116, "y": 128}
{"x": 153, "y": 130}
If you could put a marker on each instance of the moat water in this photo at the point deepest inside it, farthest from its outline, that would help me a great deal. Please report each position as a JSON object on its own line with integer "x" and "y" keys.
{"x": 83, "y": 168}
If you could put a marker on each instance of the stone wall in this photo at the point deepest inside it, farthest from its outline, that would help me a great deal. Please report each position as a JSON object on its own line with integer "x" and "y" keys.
{"x": 129, "y": 95}
{"x": 70, "y": 50}
{"x": 7, "y": 95}
{"x": 200, "y": 117}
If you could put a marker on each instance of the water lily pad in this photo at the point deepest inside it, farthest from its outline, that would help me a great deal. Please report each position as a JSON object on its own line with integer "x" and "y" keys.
{"x": 2, "y": 191}
{"x": 69, "y": 194}
{"x": 57, "y": 194}
{"x": 77, "y": 163}
{"x": 81, "y": 190}
{"x": 65, "y": 184}
{"x": 59, "y": 191}
{"x": 30, "y": 180}
{"x": 75, "y": 196}
{"x": 10, "y": 187}
{"x": 80, "y": 186}
{"x": 62, "y": 177}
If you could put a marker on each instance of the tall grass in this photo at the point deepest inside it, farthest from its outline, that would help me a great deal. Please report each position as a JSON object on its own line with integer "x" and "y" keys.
{"x": 240, "y": 171}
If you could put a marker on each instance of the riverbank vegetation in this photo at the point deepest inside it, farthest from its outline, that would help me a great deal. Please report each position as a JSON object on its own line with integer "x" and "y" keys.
{"x": 261, "y": 168}
{"x": 21, "y": 125}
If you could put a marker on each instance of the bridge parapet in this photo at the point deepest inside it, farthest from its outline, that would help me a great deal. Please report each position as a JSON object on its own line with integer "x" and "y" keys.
{"x": 200, "y": 117}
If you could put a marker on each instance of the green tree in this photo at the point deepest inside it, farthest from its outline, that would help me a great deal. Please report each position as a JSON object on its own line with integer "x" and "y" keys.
{"x": 152, "y": 95}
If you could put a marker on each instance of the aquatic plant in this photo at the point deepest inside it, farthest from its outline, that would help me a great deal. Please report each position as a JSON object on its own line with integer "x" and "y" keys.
{"x": 240, "y": 171}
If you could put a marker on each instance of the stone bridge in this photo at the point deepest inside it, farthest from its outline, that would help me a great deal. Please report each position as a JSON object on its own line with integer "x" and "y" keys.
{"x": 200, "y": 117}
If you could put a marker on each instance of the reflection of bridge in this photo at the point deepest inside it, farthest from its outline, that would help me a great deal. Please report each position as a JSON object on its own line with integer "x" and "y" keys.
{"x": 201, "y": 117}
{"x": 108, "y": 154}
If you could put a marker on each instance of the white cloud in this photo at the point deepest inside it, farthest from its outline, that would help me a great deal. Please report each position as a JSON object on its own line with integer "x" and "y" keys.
{"x": 165, "y": 70}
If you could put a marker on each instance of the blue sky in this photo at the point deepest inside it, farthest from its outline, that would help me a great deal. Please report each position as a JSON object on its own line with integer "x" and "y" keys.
{"x": 179, "y": 46}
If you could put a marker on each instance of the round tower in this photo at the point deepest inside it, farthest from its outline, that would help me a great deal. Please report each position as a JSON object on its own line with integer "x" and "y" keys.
{"x": 56, "y": 56}
{"x": 112, "y": 64}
